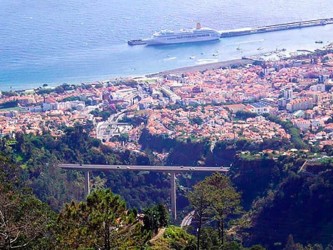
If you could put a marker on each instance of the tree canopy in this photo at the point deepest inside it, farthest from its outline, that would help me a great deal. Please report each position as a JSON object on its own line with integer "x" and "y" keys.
{"x": 24, "y": 220}
{"x": 214, "y": 200}
{"x": 96, "y": 223}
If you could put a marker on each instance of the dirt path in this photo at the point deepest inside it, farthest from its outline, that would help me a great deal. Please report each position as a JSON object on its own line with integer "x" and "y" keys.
{"x": 158, "y": 235}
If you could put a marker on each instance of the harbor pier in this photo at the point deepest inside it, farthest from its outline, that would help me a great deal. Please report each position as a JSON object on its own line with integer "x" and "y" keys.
{"x": 276, "y": 27}
{"x": 261, "y": 29}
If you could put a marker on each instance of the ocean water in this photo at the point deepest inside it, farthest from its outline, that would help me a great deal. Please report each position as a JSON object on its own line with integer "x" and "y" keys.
{"x": 73, "y": 41}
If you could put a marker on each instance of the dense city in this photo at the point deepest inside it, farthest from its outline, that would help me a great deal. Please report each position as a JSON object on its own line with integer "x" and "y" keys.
{"x": 166, "y": 125}
{"x": 213, "y": 104}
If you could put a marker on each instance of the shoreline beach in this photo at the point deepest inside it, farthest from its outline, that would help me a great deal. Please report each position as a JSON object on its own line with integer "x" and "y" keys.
{"x": 194, "y": 68}
{"x": 202, "y": 67}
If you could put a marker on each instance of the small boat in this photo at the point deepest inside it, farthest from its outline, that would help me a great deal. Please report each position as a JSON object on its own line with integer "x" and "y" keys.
{"x": 136, "y": 42}
{"x": 319, "y": 41}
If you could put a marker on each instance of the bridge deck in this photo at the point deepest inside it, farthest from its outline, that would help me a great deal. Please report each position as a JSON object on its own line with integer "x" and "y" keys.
{"x": 95, "y": 167}
{"x": 166, "y": 169}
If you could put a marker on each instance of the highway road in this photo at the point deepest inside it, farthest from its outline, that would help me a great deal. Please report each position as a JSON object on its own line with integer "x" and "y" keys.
{"x": 95, "y": 167}
{"x": 187, "y": 219}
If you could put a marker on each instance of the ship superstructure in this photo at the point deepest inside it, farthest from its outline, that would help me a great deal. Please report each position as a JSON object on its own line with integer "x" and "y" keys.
{"x": 199, "y": 34}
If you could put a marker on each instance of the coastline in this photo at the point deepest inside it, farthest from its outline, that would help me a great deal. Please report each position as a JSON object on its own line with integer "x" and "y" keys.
{"x": 202, "y": 67}
{"x": 240, "y": 62}
{"x": 188, "y": 69}
{"x": 193, "y": 68}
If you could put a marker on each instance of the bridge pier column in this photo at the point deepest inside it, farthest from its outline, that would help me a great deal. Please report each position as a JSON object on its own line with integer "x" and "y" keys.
{"x": 173, "y": 196}
{"x": 87, "y": 182}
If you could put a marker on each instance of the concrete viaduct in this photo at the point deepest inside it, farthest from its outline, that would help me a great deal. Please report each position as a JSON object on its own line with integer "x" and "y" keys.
{"x": 165, "y": 169}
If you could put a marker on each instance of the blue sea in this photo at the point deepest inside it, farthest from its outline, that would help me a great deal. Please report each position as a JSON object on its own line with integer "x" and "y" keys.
{"x": 74, "y": 41}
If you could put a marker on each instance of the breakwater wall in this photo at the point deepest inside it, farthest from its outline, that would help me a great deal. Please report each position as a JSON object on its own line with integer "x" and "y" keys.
{"x": 276, "y": 27}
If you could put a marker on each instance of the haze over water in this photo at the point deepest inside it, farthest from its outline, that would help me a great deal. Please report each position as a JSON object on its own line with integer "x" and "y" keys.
{"x": 76, "y": 41}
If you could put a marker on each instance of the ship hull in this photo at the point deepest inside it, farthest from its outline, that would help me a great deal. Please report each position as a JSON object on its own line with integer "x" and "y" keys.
{"x": 162, "y": 41}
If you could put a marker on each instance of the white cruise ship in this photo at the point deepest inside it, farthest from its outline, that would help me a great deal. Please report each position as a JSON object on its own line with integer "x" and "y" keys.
{"x": 199, "y": 34}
